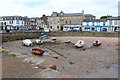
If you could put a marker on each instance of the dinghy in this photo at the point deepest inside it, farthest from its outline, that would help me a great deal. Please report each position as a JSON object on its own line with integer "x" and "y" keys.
{"x": 97, "y": 43}
{"x": 37, "y": 51}
{"x": 39, "y": 41}
{"x": 54, "y": 39}
{"x": 67, "y": 41}
{"x": 79, "y": 44}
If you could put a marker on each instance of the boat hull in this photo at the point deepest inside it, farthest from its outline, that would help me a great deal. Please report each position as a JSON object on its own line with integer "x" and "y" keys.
{"x": 37, "y": 51}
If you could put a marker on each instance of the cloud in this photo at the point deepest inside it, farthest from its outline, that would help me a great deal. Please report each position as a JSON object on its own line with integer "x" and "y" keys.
{"x": 36, "y": 8}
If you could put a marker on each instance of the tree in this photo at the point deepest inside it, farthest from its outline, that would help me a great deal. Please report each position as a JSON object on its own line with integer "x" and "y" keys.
{"x": 105, "y": 17}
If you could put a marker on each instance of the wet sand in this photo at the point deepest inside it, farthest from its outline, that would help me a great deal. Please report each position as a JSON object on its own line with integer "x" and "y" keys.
{"x": 78, "y": 62}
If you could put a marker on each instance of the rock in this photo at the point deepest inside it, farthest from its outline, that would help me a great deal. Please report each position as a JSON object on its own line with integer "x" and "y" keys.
{"x": 47, "y": 73}
{"x": 71, "y": 62}
{"x": 49, "y": 64}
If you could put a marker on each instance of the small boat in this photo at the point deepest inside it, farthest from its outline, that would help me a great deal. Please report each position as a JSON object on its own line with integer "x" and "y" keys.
{"x": 67, "y": 41}
{"x": 39, "y": 41}
{"x": 54, "y": 39}
{"x": 97, "y": 43}
{"x": 37, "y": 51}
{"x": 79, "y": 44}
{"x": 44, "y": 36}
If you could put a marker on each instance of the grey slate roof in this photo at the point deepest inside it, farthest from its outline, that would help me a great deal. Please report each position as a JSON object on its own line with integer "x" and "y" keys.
{"x": 70, "y": 14}
{"x": 88, "y": 15}
{"x": 113, "y": 18}
{"x": 96, "y": 20}
{"x": 12, "y": 17}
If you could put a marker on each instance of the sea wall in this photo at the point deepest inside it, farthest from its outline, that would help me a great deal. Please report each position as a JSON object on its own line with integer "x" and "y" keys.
{"x": 24, "y": 35}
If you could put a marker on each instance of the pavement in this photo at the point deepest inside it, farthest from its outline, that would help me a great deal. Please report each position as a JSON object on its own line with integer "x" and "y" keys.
{"x": 13, "y": 67}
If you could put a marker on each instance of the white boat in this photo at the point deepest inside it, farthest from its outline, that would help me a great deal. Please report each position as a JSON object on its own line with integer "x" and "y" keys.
{"x": 79, "y": 44}
{"x": 27, "y": 42}
{"x": 97, "y": 43}
{"x": 39, "y": 41}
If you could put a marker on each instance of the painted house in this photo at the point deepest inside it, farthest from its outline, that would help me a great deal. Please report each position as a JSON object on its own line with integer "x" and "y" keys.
{"x": 61, "y": 21}
{"x": 95, "y": 25}
{"x": 11, "y": 22}
{"x": 113, "y": 24}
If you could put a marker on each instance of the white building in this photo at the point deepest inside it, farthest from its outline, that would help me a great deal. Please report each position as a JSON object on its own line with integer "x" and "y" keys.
{"x": 54, "y": 21}
{"x": 95, "y": 25}
{"x": 113, "y": 24}
{"x": 11, "y": 22}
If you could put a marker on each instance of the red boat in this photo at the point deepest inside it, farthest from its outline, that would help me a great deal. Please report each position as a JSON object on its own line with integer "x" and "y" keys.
{"x": 67, "y": 41}
{"x": 97, "y": 43}
{"x": 37, "y": 51}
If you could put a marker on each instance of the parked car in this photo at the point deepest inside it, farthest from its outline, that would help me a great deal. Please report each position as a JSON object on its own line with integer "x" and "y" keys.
{"x": 27, "y": 42}
{"x": 74, "y": 30}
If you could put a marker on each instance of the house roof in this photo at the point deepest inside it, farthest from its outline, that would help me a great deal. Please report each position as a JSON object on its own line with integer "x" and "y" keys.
{"x": 113, "y": 18}
{"x": 88, "y": 15}
{"x": 96, "y": 20}
{"x": 70, "y": 14}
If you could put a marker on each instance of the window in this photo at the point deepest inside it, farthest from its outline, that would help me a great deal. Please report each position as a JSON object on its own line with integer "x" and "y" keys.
{"x": 115, "y": 23}
{"x": 17, "y": 22}
{"x": 74, "y": 17}
{"x": 78, "y": 21}
{"x": 70, "y": 22}
{"x": 10, "y": 22}
{"x": 87, "y": 24}
{"x": 103, "y": 23}
{"x": 1, "y": 23}
{"x": 110, "y": 22}
{"x": 70, "y": 17}
{"x": 74, "y": 22}
{"x": 5, "y": 23}
{"x": 57, "y": 27}
{"x": 22, "y": 22}
{"x": 66, "y": 22}
{"x": 93, "y": 23}
{"x": 78, "y": 17}
{"x": 51, "y": 27}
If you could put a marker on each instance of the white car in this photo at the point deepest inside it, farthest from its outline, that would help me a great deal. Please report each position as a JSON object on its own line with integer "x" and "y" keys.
{"x": 27, "y": 42}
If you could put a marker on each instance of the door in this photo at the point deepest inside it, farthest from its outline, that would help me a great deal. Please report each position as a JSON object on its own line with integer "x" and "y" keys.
{"x": 61, "y": 28}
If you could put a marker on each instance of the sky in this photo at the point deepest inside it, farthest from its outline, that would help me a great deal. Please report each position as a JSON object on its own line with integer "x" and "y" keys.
{"x": 36, "y": 8}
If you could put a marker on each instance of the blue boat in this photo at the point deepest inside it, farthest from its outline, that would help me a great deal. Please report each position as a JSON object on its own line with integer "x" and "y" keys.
{"x": 44, "y": 36}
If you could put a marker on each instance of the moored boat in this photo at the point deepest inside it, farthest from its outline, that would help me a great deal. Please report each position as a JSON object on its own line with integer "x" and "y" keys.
{"x": 79, "y": 44}
{"x": 97, "y": 43}
{"x": 39, "y": 41}
{"x": 37, "y": 51}
{"x": 67, "y": 41}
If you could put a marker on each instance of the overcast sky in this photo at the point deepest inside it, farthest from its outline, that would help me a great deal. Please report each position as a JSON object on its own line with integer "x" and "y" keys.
{"x": 36, "y": 8}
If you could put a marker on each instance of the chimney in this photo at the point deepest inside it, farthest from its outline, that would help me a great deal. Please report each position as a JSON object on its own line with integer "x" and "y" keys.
{"x": 83, "y": 11}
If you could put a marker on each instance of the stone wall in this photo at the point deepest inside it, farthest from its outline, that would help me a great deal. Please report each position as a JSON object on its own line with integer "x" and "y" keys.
{"x": 25, "y": 35}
